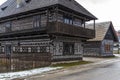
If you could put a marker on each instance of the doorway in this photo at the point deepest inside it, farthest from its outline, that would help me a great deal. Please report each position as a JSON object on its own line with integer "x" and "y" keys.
{"x": 8, "y": 51}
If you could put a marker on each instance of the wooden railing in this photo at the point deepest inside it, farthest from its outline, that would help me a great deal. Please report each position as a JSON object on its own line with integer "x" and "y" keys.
{"x": 55, "y": 28}
{"x": 71, "y": 30}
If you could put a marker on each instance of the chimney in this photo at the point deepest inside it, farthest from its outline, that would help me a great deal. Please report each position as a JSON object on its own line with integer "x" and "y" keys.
{"x": 19, "y": 3}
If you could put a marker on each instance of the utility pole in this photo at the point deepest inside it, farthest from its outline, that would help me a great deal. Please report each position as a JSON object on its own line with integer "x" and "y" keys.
{"x": 118, "y": 48}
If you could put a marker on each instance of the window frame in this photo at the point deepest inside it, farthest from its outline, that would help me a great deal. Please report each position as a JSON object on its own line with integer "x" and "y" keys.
{"x": 107, "y": 48}
{"x": 8, "y": 26}
{"x": 37, "y": 21}
{"x": 67, "y": 20}
{"x": 66, "y": 48}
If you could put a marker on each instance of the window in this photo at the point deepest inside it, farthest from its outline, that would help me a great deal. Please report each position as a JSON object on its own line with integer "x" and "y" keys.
{"x": 68, "y": 20}
{"x": 107, "y": 48}
{"x": 8, "y": 26}
{"x": 77, "y": 22}
{"x": 71, "y": 21}
{"x": 37, "y": 21}
{"x": 68, "y": 48}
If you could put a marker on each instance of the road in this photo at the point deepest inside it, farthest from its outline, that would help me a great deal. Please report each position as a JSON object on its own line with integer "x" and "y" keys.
{"x": 108, "y": 72}
{"x": 104, "y": 71}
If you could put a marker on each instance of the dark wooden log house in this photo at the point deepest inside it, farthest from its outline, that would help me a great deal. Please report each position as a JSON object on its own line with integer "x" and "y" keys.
{"x": 102, "y": 45}
{"x": 51, "y": 27}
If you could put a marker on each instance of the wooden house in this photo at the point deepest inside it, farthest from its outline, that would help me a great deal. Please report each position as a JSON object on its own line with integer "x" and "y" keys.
{"x": 45, "y": 29}
{"x": 117, "y": 44}
{"x": 102, "y": 45}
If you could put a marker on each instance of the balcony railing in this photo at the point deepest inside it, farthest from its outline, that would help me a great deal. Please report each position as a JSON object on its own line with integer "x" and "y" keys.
{"x": 54, "y": 28}
{"x": 70, "y": 30}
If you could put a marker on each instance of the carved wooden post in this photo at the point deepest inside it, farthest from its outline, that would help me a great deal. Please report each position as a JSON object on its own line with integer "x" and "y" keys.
{"x": 94, "y": 24}
{"x": 94, "y": 28}
{"x": 84, "y": 23}
{"x": 56, "y": 13}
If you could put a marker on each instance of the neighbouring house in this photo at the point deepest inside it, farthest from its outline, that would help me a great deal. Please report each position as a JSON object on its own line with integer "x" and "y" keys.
{"x": 41, "y": 31}
{"x": 118, "y": 34}
{"x": 117, "y": 44}
{"x": 102, "y": 45}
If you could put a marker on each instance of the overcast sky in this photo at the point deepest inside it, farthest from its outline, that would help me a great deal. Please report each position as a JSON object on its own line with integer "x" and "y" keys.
{"x": 104, "y": 10}
{"x": 1, "y": 1}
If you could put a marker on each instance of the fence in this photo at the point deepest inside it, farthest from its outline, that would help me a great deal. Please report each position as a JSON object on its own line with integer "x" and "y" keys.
{"x": 23, "y": 61}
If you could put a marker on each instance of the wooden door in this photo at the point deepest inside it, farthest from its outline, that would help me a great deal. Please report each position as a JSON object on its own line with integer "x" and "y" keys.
{"x": 8, "y": 51}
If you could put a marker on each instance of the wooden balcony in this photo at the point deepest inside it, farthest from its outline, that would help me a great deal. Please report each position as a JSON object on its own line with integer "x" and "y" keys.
{"x": 70, "y": 30}
{"x": 57, "y": 28}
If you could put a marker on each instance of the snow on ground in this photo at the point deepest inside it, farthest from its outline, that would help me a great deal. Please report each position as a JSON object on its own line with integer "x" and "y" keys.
{"x": 13, "y": 75}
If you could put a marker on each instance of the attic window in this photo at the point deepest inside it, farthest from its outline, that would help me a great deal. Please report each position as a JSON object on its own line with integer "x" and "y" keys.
{"x": 19, "y": 3}
{"x": 27, "y": 1}
{"x": 4, "y": 8}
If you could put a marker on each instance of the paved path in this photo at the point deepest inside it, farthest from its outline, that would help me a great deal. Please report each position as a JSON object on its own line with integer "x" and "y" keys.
{"x": 102, "y": 69}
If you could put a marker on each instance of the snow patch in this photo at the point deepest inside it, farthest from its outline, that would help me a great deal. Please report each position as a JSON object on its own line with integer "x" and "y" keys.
{"x": 13, "y": 75}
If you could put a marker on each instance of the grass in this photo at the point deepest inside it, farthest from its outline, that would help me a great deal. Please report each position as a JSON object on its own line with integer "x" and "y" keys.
{"x": 116, "y": 52}
{"x": 109, "y": 57}
{"x": 70, "y": 64}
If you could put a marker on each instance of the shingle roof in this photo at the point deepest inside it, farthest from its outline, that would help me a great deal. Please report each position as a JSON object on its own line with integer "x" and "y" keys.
{"x": 36, "y": 4}
{"x": 101, "y": 30}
